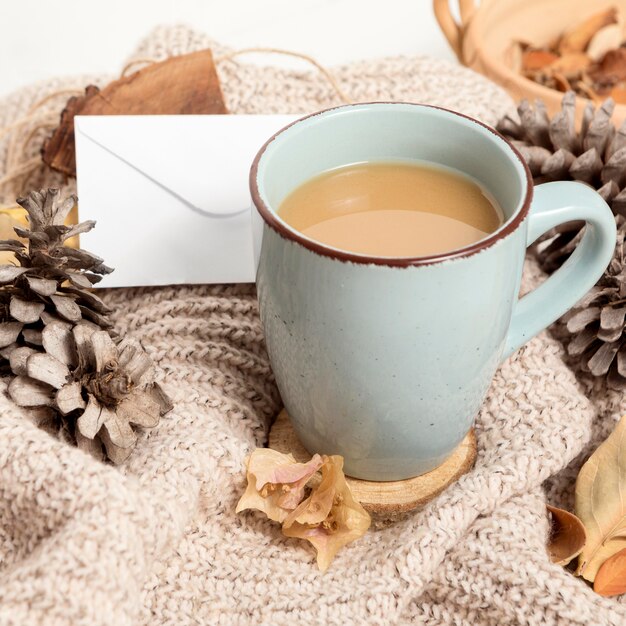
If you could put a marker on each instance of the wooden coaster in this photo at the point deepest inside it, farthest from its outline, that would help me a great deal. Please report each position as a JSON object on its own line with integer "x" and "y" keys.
{"x": 388, "y": 498}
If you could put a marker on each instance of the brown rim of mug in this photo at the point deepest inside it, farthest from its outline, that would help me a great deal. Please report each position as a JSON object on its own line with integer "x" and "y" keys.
{"x": 277, "y": 225}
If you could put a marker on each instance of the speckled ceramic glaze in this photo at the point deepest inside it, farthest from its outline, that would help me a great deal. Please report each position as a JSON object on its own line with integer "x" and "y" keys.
{"x": 386, "y": 360}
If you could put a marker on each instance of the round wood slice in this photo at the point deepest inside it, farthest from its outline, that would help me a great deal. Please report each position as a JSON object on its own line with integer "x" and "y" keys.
{"x": 387, "y": 498}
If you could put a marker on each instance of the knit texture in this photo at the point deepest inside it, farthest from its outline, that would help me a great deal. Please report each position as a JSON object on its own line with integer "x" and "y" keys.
{"x": 157, "y": 541}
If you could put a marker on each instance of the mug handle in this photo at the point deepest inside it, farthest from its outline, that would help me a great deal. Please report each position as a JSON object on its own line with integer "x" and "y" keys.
{"x": 554, "y": 204}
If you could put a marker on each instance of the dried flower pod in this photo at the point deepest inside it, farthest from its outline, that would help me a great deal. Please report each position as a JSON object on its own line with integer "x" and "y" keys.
{"x": 328, "y": 517}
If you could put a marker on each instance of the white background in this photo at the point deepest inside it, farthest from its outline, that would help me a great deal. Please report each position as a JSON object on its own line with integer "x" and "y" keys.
{"x": 45, "y": 38}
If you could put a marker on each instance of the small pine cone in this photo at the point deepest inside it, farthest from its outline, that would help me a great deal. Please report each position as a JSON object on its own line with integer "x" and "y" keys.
{"x": 554, "y": 150}
{"x": 55, "y": 339}
{"x": 595, "y": 328}
{"x": 52, "y": 280}
{"x": 99, "y": 390}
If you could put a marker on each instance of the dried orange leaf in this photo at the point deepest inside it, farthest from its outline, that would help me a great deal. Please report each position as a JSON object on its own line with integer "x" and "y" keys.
{"x": 611, "y": 577}
{"x": 535, "y": 60}
{"x": 276, "y": 482}
{"x": 607, "y": 38}
{"x": 577, "y": 39}
{"x": 601, "y": 502}
{"x": 619, "y": 95}
{"x": 567, "y": 536}
{"x": 612, "y": 67}
{"x": 571, "y": 65}
{"x": 345, "y": 522}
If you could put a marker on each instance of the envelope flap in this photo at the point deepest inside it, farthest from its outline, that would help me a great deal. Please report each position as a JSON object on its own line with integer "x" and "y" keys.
{"x": 173, "y": 151}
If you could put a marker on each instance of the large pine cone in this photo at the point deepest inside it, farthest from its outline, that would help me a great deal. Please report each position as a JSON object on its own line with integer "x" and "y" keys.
{"x": 554, "y": 150}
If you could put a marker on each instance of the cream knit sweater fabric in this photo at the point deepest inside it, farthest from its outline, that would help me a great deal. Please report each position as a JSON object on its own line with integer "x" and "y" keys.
{"x": 157, "y": 541}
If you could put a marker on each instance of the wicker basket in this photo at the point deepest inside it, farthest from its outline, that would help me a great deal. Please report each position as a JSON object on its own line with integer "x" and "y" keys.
{"x": 484, "y": 38}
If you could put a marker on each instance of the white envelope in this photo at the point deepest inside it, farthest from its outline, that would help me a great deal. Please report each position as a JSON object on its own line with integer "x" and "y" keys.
{"x": 170, "y": 195}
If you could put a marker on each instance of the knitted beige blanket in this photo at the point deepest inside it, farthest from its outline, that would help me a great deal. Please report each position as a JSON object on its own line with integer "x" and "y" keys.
{"x": 157, "y": 541}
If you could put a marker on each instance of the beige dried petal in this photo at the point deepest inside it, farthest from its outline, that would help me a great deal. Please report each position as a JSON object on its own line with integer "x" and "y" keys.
{"x": 67, "y": 308}
{"x": 58, "y": 341}
{"x": 139, "y": 408}
{"x": 25, "y": 391}
{"x": 276, "y": 482}
{"x": 601, "y": 502}
{"x": 346, "y": 521}
{"x": 18, "y": 359}
{"x": 69, "y": 398}
{"x": 9, "y": 332}
{"x": 271, "y": 466}
{"x": 91, "y": 420}
{"x": 316, "y": 507}
{"x": 47, "y": 369}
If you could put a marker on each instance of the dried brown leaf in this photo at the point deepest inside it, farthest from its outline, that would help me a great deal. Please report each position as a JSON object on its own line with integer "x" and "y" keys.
{"x": 567, "y": 536}
{"x": 571, "y": 65}
{"x": 577, "y": 38}
{"x": 619, "y": 94}
{"x": 601, "y": 502}
{"x": 605, "y": 39}
{"x": 535, "y": 60}
{"x": 611, "y": 577}
{"x": 612, "y": 67}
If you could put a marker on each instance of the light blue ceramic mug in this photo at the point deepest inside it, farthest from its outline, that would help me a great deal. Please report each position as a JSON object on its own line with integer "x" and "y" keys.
{"x": 386, "y": 361}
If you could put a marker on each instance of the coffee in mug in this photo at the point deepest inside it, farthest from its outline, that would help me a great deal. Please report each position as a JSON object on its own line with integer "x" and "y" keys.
{"x": 393, "y": 209}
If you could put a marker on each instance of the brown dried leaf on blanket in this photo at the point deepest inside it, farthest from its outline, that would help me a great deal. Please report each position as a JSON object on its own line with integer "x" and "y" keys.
{"x": 601, "y": 502}
{"x": 611, "y": 577}
{"x": 567, "y": 536}
{"x": 186, "y": 84}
